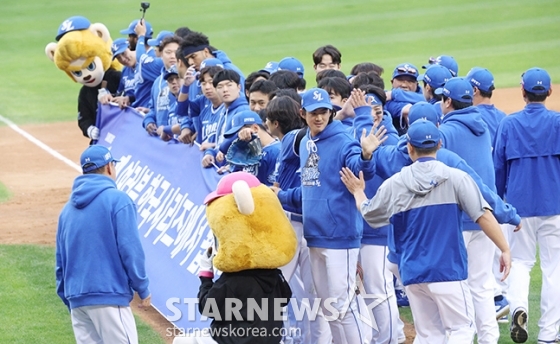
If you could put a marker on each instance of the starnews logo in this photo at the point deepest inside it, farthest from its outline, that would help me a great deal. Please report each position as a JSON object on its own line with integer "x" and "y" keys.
{"x": 360, "y": 304}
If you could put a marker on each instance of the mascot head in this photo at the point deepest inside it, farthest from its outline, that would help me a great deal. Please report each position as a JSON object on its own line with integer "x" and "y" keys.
{"x": 83, "y": 51}
{"x": 251, "y": 228}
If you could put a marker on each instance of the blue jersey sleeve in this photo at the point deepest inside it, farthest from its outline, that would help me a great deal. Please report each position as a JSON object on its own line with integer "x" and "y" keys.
{"x": 390, "y": 160}
{"x": 140, "y": 47}
{"x": 407, "y": 97}
{"x": 504, "y": 212}
{"x": 291, "y": 197}
{"x": 500, "y": 162}
{"x": 354, "y": 161}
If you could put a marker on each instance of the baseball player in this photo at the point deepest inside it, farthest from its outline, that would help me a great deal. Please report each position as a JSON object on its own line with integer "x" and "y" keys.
{"x": 331, "y": 224}
{"x": 162, "y": 101}
{"x": 200, "y": 115}
{"x": 99, "y": 256}
{"x": 482, "y": 82}
{"x": 425, "y": 201}
{"x": 528, "y": 175}
{"x": 284, "y": 122}
{"x": 465, "y": 133}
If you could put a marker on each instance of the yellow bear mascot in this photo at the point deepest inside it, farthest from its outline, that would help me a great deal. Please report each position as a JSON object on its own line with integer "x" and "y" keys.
{"x": 83, "y": 51}
{"x": 254, "y": 238}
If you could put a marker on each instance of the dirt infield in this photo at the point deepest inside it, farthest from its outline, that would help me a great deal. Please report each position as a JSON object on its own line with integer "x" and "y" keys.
{"x": 40, "y": 184}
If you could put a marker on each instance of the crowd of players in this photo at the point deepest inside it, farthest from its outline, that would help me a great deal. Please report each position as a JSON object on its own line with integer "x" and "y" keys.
{"x": 192, "y": 92}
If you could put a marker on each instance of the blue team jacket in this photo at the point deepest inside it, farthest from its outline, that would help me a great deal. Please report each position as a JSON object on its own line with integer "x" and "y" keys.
{"x": 330, "y": 217}
{"x": 527, "y": 160}
{"x": 99, "y": 256}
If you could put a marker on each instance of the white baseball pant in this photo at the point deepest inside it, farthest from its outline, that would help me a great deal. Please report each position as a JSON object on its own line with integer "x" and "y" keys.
{"x": 378, "y": 285}
{"x": 544, "y": 230}
{"x": 104, "y": 325}
{"x": 334, "y": 276}
{"x": 442, "y": 311}
{"x": 480, "y": 252}
{"x": 316, "y": 331}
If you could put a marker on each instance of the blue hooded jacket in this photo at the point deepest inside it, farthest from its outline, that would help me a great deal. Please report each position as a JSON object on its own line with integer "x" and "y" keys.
{"x": 391, "y": 159}
{"x": 330, "y": 217}
{"x": 465, "y": 133}
{"x": 527, "y": 160}
{"x": 99, "y": 256}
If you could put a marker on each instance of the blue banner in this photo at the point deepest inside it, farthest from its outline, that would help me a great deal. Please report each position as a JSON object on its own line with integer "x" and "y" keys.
{"x": 168, "y": 184}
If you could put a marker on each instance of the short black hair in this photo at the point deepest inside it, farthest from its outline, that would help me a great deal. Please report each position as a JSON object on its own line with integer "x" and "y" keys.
{"x": 182, "y": 31}
{"x": 366, "y": 67}
{"x": 329, "y": 73}
{"x": 426, "y": 151}
{"x": 327, "y": 50}
{"x": 169, "y": 40}
{"x": 369, "y": 78}
{"x": 193, "y": 39}
{"x": 379, "y": 92}
{"x": 285, "y": 110}
{"x": 287, "y": 79}
{"x": 533, "y": 97}
{"x": 457, "y": 105}
{"x": 288, "y": 92}
{"x": 336, "y": 85}
{"x": 226, "y": 74}
{"x": 249, "y": 80}
{"x": 263, "y": 86}
{"x": 210, "y": 70}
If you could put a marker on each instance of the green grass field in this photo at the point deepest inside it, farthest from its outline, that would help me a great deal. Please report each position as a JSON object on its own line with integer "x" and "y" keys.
{"x": 31, "y": 311}
{"x": 4, "y": 193}
{"x": 506, "y": 36}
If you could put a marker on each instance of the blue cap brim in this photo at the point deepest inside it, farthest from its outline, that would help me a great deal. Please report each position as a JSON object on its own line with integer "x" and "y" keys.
{"x": 438, "y": 91}
{"x": 127, "y": 32}
{"x": 168, "y": 75}
{"x": 119, "y": 51}
{"x": 420, "y": 77}
{"x": 316, "y": 106}
{"x": 153, "y": 42}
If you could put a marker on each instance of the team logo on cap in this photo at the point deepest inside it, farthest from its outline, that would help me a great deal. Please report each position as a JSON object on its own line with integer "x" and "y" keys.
{"x": 317, "y": 96}
{"x": 114, "y": 47}
{"x": 67, "y": 25}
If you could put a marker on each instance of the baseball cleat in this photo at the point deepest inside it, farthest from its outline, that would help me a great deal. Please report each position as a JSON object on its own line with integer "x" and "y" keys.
{"x": 502, "y": 309}
{"x": 518, "y": 330}
{"x": 402, "y": 298}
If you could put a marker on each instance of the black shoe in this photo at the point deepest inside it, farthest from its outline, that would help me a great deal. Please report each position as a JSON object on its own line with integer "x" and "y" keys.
{"x": 518, "y": 328}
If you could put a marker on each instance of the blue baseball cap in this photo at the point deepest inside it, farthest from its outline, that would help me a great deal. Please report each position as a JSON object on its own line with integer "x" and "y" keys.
{"x": 270, "y": 67}
{"x": 423, "y": 110}
{"x": 423, "y": 134}
{"x": 242, "y": 119}
{"x": 446, "y": 61}
{"x": 210, "y": 62}
{"x": 436, "y": 76}
{"x": 72, "y": 24}
{"x": 130, "y": 29}
{"x": 155, "y": 42}
{"x": 170, "y": 72}
{"x": 536, "y": 80}
{"x": 457, "y": 89}
{"x": 94, "y": 157}
{"x": 316, "y": 98}
{"x": 405, "y": 69}
{"x": 293, "y": 64}
{"x": 480, "y": 78}
{"x": 119, "y": 46}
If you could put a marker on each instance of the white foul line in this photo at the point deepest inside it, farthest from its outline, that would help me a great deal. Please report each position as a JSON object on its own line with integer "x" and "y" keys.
{"x": 41, "y": 144}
